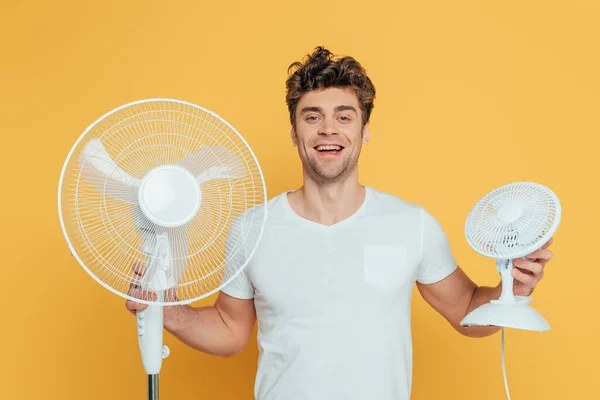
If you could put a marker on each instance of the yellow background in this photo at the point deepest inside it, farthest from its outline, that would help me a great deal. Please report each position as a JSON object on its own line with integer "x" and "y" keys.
{"x": 471, "y": 95}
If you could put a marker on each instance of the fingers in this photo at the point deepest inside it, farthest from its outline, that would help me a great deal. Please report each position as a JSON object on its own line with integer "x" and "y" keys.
{"x": 171, "y": 295}
{"x": 530, "y": 281}
{"x": 534, "y": 268}
{"x": 138, "y": 272}
{"x": 541, "y": 254}
{"x": 141, "y": 294}
{"x": 529, "y": 271}
{"x": 548, "y": 243}
{"x": 136, "y": 291}
{"x": 139, "y": 269}
{"x": 134, "y": 307}
{"x": 526, "y": 279}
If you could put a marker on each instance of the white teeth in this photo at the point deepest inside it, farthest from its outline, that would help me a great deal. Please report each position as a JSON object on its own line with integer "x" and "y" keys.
{"x": 328, "y": 147}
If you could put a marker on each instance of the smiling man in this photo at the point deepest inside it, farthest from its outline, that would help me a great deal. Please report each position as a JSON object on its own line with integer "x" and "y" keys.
{"x": 331, "y": 280}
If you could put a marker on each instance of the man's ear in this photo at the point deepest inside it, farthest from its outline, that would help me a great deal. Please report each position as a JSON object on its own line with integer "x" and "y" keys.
{"x": 366, "y": 134}
{"x": 293, "y": 136}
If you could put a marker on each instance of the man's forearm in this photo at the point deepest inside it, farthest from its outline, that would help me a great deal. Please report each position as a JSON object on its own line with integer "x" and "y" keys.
{"x": 482, "y": 295}
{"x": 202, "y": 329}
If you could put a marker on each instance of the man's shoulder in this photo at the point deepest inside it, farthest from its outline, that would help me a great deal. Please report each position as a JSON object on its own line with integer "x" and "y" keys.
{"x": 277, "y": 208}
{"x": 268, "y": 206}
{"x": 387, "y": 202}
{"x": 277, "y": 203}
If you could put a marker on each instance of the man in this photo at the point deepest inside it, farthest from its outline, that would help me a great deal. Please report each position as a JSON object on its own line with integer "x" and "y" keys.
{"x": 331, "y": 281}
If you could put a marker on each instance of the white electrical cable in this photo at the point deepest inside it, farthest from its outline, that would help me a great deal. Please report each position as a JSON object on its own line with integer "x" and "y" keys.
{"x": 504, "y": 367}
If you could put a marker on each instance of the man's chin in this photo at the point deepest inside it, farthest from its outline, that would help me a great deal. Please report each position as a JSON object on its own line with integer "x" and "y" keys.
{"x": 330, "y": 175}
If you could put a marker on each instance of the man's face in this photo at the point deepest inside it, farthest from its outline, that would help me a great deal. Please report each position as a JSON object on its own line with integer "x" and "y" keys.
{"x": 329, "y": 132}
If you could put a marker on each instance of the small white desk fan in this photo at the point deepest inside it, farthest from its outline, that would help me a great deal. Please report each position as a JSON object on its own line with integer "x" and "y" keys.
{"x": 511, "y": 222}
{"x": 170, "y": 185}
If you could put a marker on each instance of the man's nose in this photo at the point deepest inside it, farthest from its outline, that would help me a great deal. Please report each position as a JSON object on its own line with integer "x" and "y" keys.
{"x": 328, "y": 128}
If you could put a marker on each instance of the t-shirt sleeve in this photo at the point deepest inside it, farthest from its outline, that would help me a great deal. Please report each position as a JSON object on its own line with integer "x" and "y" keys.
{"x": 236, "y": 283}
{"x": 437, "y": 261}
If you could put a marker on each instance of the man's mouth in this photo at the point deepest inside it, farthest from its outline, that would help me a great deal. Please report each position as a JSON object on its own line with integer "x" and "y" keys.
{"x": 328, "y": 148}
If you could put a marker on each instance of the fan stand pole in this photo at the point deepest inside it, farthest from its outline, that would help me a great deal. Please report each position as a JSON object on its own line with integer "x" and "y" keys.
{"x": 153, "y": 387}
{"x": 505, "y": 268}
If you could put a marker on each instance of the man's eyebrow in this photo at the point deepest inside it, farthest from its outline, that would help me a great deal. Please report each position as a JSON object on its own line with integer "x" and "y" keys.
{"x": 309, "y": 109}
{"x": 345, "y": 108}
{"x": 319, "y": 110}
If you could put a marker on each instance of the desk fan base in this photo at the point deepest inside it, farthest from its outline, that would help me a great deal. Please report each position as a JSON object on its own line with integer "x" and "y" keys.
{"x": 515, "y": 314}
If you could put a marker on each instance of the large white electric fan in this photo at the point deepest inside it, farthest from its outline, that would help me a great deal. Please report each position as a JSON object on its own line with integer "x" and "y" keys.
{"x": 507, "y": 223}
{"x": 168, "y": 185}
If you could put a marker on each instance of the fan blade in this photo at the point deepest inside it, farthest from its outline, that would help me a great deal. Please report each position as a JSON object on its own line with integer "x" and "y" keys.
{"x": 102, "y": 172}
{"x": 213, "y": 162}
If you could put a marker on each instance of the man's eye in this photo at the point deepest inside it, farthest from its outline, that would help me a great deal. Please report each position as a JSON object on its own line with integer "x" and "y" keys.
{"x": 344, "y": 118}
{"x": 311, "y": 118}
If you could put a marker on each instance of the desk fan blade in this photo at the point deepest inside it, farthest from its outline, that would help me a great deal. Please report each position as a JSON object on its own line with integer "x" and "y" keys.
{"x": 213, "y": 162}
{"x": 105, "y": 175}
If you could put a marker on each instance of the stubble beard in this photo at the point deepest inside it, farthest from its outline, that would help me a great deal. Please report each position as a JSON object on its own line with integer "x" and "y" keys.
{"x": 321, "y": 172}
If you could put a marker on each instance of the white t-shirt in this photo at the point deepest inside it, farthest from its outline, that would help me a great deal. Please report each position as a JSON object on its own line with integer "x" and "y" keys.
{"x": 333, "y": 302}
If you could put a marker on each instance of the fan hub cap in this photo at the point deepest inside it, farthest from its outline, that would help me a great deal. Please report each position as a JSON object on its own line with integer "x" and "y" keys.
{"x": 169, "y": 196}
{"x": 510, "y": 213}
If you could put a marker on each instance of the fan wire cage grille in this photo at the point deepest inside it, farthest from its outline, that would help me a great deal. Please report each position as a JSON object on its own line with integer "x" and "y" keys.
{"x": 535, "y": 212}
{"x": 105, "y": 226}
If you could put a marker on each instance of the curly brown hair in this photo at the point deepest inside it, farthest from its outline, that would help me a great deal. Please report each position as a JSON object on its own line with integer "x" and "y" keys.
{"x": 321, "y": 70}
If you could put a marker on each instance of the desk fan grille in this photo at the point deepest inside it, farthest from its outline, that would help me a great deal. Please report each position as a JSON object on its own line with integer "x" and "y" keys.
{"x": 512, "y": 220}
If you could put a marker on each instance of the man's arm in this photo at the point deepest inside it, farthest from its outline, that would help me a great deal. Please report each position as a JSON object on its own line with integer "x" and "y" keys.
{"x": 457, "y": 295}
{"x": 222, "y": 329}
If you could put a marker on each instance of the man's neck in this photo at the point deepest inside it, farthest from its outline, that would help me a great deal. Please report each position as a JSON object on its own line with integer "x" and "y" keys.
{"x": 327, "y": 204}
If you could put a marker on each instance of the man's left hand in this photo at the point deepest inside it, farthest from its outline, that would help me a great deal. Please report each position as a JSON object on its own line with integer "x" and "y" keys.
{"x": 528, "y": 272}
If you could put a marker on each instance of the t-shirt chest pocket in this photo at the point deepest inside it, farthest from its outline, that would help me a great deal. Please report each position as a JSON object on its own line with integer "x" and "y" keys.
{"x": 386, "y": 266}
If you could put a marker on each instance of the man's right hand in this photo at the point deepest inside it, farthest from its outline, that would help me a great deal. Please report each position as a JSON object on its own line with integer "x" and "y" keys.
{"x": 222, "y": 329}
